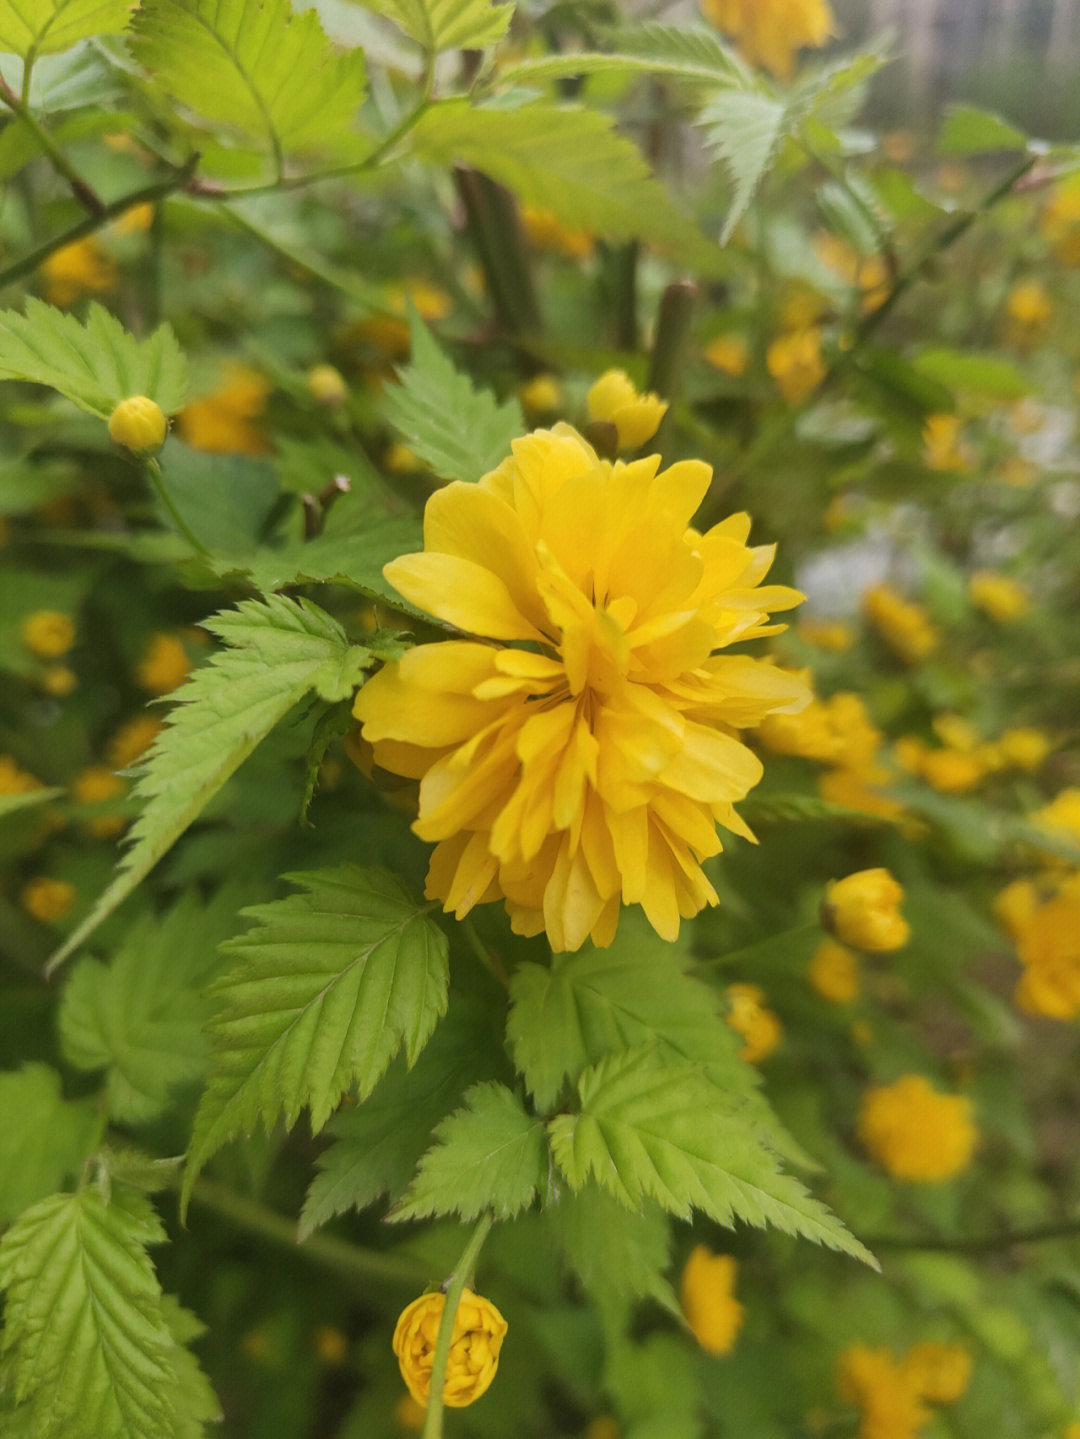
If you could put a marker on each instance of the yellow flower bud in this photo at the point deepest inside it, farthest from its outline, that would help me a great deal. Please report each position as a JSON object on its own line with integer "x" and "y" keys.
{"x": 861, "y": 910}
{"x": 326, "y": 385}
{"x": 478, "y": 1333}
{"x": 941, "y": 1372}
{"x": 163, "y": 666}
{"x": 750, "y": 1017}
{"x": 914, "y": 1132}
{"x": 998, "y": 596}
{"x": 834, "y": 972}
{"x": 59, "y": 681}
{"x": 542, "y": 395}
{"x": 707, "y": 1296}
{"x": 47, "y": 899}
{"x": 48, "y": 633}
{"x": 795, "y": 362}
{"x": 636, "y": 417}
{"x": 139, "y": 424}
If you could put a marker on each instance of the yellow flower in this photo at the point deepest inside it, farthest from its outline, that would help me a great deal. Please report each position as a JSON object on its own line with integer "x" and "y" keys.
{"x": 48, "y": 634}
{"x": 860, "y": 788}
{"x": 770, "y": 32}
{"x": 139, "y": 424}
{"x": 226, "y": 422}
{"x": 75, "y": 269}
{"x": 904, "y": 625}
{"x": 136, "y": 220}
{"x": 542, "y": 395}
{"x": 750, "y": 1017}
{"x": 479, "y": 1330}
{"x": 591, "y": 768}
{"x": 544, "y": 231}
{"x": 47, "y": 899}
{"x": 93, "y": 786}
{"x": 14, "y": 780}
{"x": 1048, "y": 943}
{"x": 1059, "y": 223}
{"x": 943, "y": 446}
{"x": 1002, "y": 598}
{"x": 636, "y": 417}
{"x": 326, "y": 385}
{"x": 729, "y": 354}
{"x": 1024, "y": 747}
{"x": 795, "y": 362}
{"x": 163, "y": 666}
{"x": 1030, "y": 310}
{"x": 1061, "y": 816}
{"x": 133, "y": 739}
{"x": 834, "y": 972}
{"x": 59, "y": 681}
{"x": 330, "y": 1345}
{"x": 408, "y": 1414}
{"x": 861, "y": 910}
{"x": 832, "y": 635}
{"x": 952, "y": 771}
{"x": 940, "y": 1372}
{"x": 914, "y": 1132}
{"x": 707, "y": 1295}
{"x": 886, "y": 1396}
{"x": 1013, "y": 906}
{"x": 832, "y": 729}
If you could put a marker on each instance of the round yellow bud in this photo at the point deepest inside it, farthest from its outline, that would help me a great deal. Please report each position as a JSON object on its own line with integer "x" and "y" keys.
{"x": 707, "y": 1295}
{"x": 47, "y": 899}
{"x": 834, "y": 972}
{"x": 478, "y": 1333}
{"x": 326, "y": 385}
{"x": 914, "y": 1132}
{"x": 861, "y": 910}
{"x": 636, "y": 417}
{"x": 48, "y": 633}
{"x": 751, "y": 1017}
{"x": 139, "y": 425}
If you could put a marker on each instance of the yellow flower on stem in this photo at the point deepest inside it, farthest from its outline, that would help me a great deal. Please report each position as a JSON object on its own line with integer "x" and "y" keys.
{"x": 478, "y": 1334}
{"x": 770, "y": 32}
{"x": 862, "y": 910}
{"x": 886, "y": 1396}
{"x": 941, "y": 1372}
{"x": 585, "y": 760}
{"x": 707, "y": 1295}
{"x": 914, "y": 1132}
{"x": 636, "y": 417}
{"x": 750, "y": 1016}
{"x": 131, "y": 741}
{"x": 1048, "y": 943}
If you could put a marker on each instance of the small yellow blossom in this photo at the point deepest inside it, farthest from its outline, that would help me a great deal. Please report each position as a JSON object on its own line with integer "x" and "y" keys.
{"x": 1061, "y": 817}
{"x": 330, "y": 1345}
{"x": 49, "y": 634}
{"x": 862, "y": 910}
{"x": 399, "y": 459}
{"x": 860, "y": 788}
{"x": 909, "y": 751}
{"x": 1000, "y": 597}
{"x": 59, "y": 681}
{"x": 1059, "y": 223}
{"x": 943, "y": 444}
{"x": 1030, "y": 310}
{"x": 887, "y": 1397}
{"x": 730, "y": 354}
{"x": 1048, "y": 943}
{"x": 478, "y": 1333}
{"x": 326, "y": 385}
{"x": 795, "y": 362}
{"x": 707, "y": 1295}
{"x": 941, "y": 1372}
{"x": 541, "y": 397}
{"x": 136, "y": 220}
{"x": 904, "y": 625}
{"x": 226, "y": 421}
{"x": 771, "y": 32}
{"x": 408, "y": 1414}
{"x": 47, "y": 899}
{"x": 914, "y": 1132}
{"x": 834, "y": 972}
{"x": 139, "y": 424}
{"x": 94, "y": 786}
{"x": 77, "y": 269}
{"x": 590, "y": 769}
{"x": 636, "y": 416}
{"x": 14, "y": 780}
{"x": 750, "y": 1016}
{"x": 833, "y": 729}
{"x": 1024, "y": 747}
{"x": 835, "y": 636}
{"x": 952, "y": 771}
{"x": 133, "y": 739}
{"x": 544, "y": 231}
{"x": 163, "y": 666}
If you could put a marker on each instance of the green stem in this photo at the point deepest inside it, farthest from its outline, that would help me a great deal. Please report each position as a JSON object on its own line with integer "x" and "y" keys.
{"x": 337, "y": 1255}
{"x": 157, "y": 479}
{"x": 83, "y": 192}
{"x": 979, "y": 1243}
{"x": 487, "y": 957}
{"x": 454, "y": 1287}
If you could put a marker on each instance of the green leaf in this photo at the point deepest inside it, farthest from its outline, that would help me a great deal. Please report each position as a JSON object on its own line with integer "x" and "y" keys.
{"x": 649, "y": 1129}
{"x": 96, "y": 364}
{"x": 142, "y": 1017}
{"x": 492, "y": 1154}
{"x": 462, "y": 432}
{"x": 567, "y": 160}
{"x": 967, "y": 130}
{"x": 378, "y": 1144}
{"x": 691, "y": 53}
{"x": 994, "y": 376}
{"x": 86, "y": 1344}
{"x": 447, "y": 24}
{"x": 190, "y": 1394}
{"x": 583, "y": 1006}
{"x": 745, "y": 126}
{"x": 278, "y": 650}
{"x": 43, "y": 27}
{"x": 614, "y": 1251}
{"x": 256, "y": 67}
{"x": 333, "y": 983}
{"x": 10, "y": 803}
{"x": 44, "y": 1139}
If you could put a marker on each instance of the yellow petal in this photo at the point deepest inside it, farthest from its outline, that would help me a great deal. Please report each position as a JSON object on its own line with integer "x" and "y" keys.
{"x": 460, "y": 593}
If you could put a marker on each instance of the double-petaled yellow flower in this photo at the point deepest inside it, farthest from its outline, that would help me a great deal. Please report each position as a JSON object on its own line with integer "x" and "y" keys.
{"x": 707, "y": 1295}
{"x": 916, "y": 1133}
{"x": 475, "y": 1342}
{"x": 581, "y": 754}
{"x": 771, "y": 32}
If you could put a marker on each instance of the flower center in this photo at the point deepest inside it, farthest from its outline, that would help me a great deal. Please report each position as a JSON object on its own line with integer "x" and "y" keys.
{"x": 595, "y": 651}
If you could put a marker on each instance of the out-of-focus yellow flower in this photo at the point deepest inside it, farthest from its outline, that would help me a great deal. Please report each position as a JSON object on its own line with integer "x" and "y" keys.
{"x": 1014, "y": 905}
{"x": 834, "y": 972}
{"x": 869, "y": 273}
{"x": 636, "y": 416}
{"x": 1030, "y": 309}
{"x": 77, "y": 269}
{"x": 1024, "y": 747}
{"x": 943, "y": 443}
{"x": 49, "y": 634}
{"x": 1000, "y": 597}
{"x": 59, "y": 681}
{"x": 387, "y": 331}
{"x": 952, "y": 771}
{"x": 47, "y": 899}
{"x": 860, "y": 789}
{"x": 914, "y": 1132}
{"x": 541, "y": 397}
{"x": 835, "y": 636}
{"x": 326, "y": 385}
{"x": 898, "y": 146}
{"x": 544, "y": 231}
{"x": 133, "y": 739}
{"x": 862, "y": 909}
{"x": 93, "y": 786}
{"x": 908, "y": 752}
{"x": 226, "y": 421}
{"x": 887, "y": 1397}
{"x": 330, "y": 1345}
{"x": 399, "y": 459}
{"x": 477, "y": 1337}
{"x": 1061, "y": 816}
{"x": 603, "y": 1427}
{"x": 838, "y": 728}
{"x": 771, "y": 32}
{"x": 590, "y": 769}
{"x": 13, "y": 779}
{"x": 728, "y": 353}
{"x": 163, "y": 666}
{"x": 751, "y": 1017}
{"x": 941, "y": 1372}
{"x": 136, "y": 220}
{"x": 904, "y": 625}
{"x": 795, "y": 362}
{"x": 1048, "y": 943}
{"x": 139, "y": 424}
{"x": 1059, "y": 223}
{"x": 408, "y": 1414}
{"x": 707, "y": 1295}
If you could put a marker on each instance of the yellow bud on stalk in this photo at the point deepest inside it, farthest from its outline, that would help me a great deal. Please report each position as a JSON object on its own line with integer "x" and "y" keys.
{"x": 139, "y": 424}
{"x": 478, "y": 1333}
{"x": 861, "y": 910}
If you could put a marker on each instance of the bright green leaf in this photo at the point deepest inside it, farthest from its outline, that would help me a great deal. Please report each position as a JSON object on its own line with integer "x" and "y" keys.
{"x": 278, "y": 650}
{"x": 745, "y": 126}
{"x": 994, "y": 376}
{"x": 614, "y": 1251}
{"x": 96, "y": 364}
{"x": 682, "y": 52}
{"x": 9, "y": 803}
{"x": 967, "y": 130}
{"x": 448, "y": 24}
{"x": 332, "y": 983}
{"x": 491, "y": 1155}
{"x": 44, "y": 1139}
{"x": 41, "y": 27}
{"x": 652, "y": 1129}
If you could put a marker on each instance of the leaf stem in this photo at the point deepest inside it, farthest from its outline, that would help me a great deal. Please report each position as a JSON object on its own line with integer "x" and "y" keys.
{"x": 157, "y": 479}
{"x": 453, "y": 1288}
{"x": 83, "y": 192}
{"x": 345, "y": 1259}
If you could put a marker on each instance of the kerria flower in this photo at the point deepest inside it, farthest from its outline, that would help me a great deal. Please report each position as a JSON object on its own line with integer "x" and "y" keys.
{"x": 582, "y": 753}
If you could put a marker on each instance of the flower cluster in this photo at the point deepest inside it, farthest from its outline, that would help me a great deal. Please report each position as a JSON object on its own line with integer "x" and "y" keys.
{"x": 478, "y": 1334}
{"x": 914, "y": 1132}
{"x": 894, "y": 1395}
{"x": 585, "y": 758}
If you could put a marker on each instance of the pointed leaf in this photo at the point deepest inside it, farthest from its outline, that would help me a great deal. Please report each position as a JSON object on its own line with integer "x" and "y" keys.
{"x": 448, "y": 24}
{"x": 690, "y": 53}
{"x": 43, "y": 27}
{"x": 745, "y": 126}
{"x": 44, "y": 1139}
{"x": 333, "y": 983}
{"x": 614, "y": 1251}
